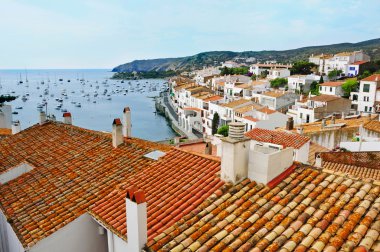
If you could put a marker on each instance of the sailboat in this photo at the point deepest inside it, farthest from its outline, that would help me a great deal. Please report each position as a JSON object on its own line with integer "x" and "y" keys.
{"x": 20, "y": 81}
{"x": 26, "y": 76}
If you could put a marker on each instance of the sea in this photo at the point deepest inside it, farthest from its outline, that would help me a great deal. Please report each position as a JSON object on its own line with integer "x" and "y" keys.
{"x": 93, "y": 99}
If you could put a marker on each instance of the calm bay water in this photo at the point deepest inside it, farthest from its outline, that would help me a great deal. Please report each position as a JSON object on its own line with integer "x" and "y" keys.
{"x": 101, "y": 99}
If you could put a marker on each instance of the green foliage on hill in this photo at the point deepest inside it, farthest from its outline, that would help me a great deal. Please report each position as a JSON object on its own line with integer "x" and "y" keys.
{"x": 278, "y": 82}
{"x": 215, "y": 58}
{"x": 302, "y": 67}
{"x": 314, "y": 87}
{"x": 235, "y": 70}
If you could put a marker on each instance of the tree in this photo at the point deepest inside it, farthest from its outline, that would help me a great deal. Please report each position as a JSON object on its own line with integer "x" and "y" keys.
{"x": 264, "y": 74}
{"x": 349, "y": 86}
{"x": 314, "y": 88}
{"x": 321, "y": 80}
{"x": 302, "y": 67}
{"x": 215, "y": 123}
{"x": 278, "y": 82}
{"x": 6, "y": 98}
{"x": 223, "y": 130}
{"x": 365, "y": 74}
{"x": 334, "y": 74}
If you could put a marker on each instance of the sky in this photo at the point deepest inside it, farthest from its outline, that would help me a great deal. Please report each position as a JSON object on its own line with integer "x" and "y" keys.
{"x": 105, "y": 33}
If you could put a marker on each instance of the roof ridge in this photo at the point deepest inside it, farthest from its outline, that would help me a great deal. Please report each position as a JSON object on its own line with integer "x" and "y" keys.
{"x": 212, "y": 158}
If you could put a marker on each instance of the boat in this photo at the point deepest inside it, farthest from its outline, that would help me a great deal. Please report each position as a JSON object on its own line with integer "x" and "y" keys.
{"x": 15, "y": 112}
{"x": 78, "y": 105}
{"x": 18, "y": 107}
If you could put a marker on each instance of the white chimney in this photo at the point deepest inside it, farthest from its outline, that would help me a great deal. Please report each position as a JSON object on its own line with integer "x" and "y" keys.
{"x": 42, "y": 117}
{"x": 67, "y": 119}
{"x": 235, "y": 149}
{"x": 16, "y": 127}
{"x": 136, "y": 220}
{"x": 266, "y": 162}
{"x": 5, "y": 116}
{"x": 127, "y": 128}
{"x": 300, "y": 130}
{"x": 117, "y": 133}
{"x": 318, "y": 160}
{"x": 208, "y": 148}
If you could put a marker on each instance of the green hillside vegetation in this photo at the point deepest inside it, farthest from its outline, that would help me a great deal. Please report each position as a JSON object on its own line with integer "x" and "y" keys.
{"x": 215, "y": 58}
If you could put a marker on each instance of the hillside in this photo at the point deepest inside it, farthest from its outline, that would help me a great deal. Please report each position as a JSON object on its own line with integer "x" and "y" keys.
{"x": 371, "y": 47}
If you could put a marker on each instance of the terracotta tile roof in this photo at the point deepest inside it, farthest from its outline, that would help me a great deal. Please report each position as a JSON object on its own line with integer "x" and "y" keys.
{"x": 274, "y": 94}
{"x": 313, "y": 149}
{"x": 332, "y": 84}
{"x": 349, "y": 124}
{"x": 213, "y": 98}
{"x": 197, "y": 147}
{"x": 374, "y": 77}
{"x": 364, "y": 165}
{"x": 373, "y": 126}
{"x": 324, "y": 98}
{"x": 251, "y": 118}
{"x": 309, "y": 210}
{"x": 5, "y": 132}
{"x": 235, "y": 103}
{"x": 174, "y": 186}
{"x": 191, "y": 108}
{"x": 278, "y": 137}
{"x": 73, "y": 168}
{"x": 359, "y": 62}
{"x": 267, "y": 111}
{"x": 248, "y": 108}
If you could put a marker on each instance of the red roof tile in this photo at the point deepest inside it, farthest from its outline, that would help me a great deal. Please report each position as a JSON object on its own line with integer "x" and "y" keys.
{"x": 251, "y": 118}
{"x": 5, "y": 132}
{"x": 173, "y": 186}
{"x": 73, "y": 169}
{"x": 359, "y": 62}
{"x": 374, "y": 77}
{"x": 324, "y": 98}
{"x": 267, "y": 111}
{"x": 332, "y": 84}
{"x": 309, "y": 210}
{"x": 67, "y": 114}
{"x": 278, "y": 137}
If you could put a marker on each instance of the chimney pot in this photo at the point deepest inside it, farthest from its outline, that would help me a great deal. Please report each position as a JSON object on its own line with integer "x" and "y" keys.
{"x": 117, "y": 133}
{"x": 323, "y": 123}
{"x": 208, "y": 149}
{"x": 333, "y": 120}
{"x": 42, "y": 117}
{"x": 300, "y": 130}
{"x": 290, "y": 123}
{"x": 236, "y": 130}
{"x": 136, "y": 207}
{"x": 16, "y": 128}
{"x": 127, "y": 128}
{"x": 67, "y": 119}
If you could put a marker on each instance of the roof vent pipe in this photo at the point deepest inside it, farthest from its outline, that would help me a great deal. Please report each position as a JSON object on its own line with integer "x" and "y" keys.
{"x": 236, "y": 130}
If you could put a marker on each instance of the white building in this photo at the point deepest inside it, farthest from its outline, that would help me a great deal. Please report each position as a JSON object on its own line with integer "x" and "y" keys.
{"x": 314, "y": 108}
{"x": 343, "y": 61}
{"x": 302, "y": 82}
{"x": 300, "y": 143}
{"x": 331, "y": 88}
{"x": 230, "y": 64}
{"x": 5, "y": 116}
{"x": 368, "y": 97}
{"x": 278, "y": 73}
{"x": 276, "y": 99}
{"x": 258, "y": 68}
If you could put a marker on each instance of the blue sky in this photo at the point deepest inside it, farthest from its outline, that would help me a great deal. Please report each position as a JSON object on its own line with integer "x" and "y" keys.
{"x": 105, "y": 33}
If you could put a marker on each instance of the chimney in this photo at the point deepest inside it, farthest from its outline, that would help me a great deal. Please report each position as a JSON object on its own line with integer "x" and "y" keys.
{"x": 16, "y": 127}
{"x": 323, "y": 123}
{"x": 333, "y": 119}
{"x": 300, "y": 130}
{"x": 208, "y": 149}
{"x": 290, "y": 123}
{"x": 42, "y": 117}
{"x": 67, "y": 118}
{"x": 117, "y": 133}
{"x": 136, "y": 220}
{"x": 235, "y": 149}
{"x": 318, "y": 160}
{"x": 127, "y": 128}
{"x": 267, "y": 162}
{"x": 343, "y": 116}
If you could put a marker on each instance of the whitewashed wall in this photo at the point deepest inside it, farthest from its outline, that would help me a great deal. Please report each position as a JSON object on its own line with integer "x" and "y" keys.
{"x": 8, "y": 239}
{"x": 80, "y": 235}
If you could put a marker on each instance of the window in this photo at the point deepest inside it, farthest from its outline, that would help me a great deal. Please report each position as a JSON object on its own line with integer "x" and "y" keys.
{"x": 320, "y": 88}
{"x": 365, "y": 108}
{"x": 330, "y": 89}
{"x": 366, "y": 88}
{"x": 300, "y": 115}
